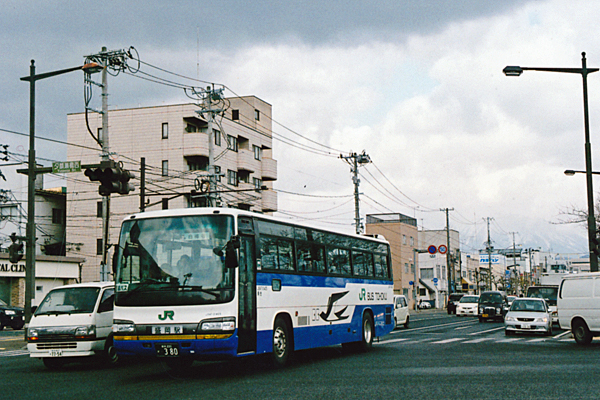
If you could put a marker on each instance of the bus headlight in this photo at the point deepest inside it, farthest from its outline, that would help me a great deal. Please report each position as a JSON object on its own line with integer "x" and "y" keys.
{"x": 217, "y": 325}
{"x": 121, "y": 326}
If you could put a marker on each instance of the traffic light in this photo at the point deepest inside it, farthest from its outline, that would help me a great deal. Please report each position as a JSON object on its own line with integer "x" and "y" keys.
{"x": 112, "y": 177}
{"x": 596, "y": 244}
{"x": 15, "y": 250}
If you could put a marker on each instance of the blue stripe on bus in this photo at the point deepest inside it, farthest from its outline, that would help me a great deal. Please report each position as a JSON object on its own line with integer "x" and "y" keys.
{"x": 265, "y": 278}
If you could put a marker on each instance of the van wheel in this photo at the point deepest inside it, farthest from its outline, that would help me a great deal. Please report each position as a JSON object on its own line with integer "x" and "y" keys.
{"x": 110, "y": 353}
{"x": 581, "y": 333}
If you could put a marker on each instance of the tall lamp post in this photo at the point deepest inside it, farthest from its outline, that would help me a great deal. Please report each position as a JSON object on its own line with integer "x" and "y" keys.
{"x": 583, "y": 71}
{"x": 30, "y": 227}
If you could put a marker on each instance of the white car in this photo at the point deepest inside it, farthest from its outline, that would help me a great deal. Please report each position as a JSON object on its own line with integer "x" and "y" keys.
{"x": 467, "y": 306}
{"x": 401, "y": 315}
{"x": 424, "y": 305}
{"x": 528, "y": 314}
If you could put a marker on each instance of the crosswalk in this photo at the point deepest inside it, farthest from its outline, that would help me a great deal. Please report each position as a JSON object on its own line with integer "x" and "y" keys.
{"x": 14, "y": 353}
{"x": 470, "y": 340}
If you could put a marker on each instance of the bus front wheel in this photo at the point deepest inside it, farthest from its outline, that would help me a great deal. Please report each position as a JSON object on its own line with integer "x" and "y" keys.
{"x": 282, "y": 343}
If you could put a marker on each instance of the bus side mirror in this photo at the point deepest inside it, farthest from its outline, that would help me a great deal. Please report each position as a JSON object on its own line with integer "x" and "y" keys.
{"x": 231, "y": 259}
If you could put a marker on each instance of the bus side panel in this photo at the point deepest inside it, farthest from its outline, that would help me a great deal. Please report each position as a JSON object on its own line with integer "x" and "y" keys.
{"x": 324, "y": 311}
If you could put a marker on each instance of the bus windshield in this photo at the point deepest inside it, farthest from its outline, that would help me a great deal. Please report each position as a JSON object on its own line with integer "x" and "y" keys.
{"x": 174, "y": 261}
{"x": 548, "y": 293}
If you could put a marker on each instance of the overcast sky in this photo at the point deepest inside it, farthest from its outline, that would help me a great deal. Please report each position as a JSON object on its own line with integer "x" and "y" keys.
{"x": 418, "y": 85}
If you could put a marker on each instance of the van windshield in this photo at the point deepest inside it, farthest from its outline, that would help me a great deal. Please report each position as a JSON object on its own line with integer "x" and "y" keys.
{"x": 490, "y": 298}
{"x": 548, "y": 293}
{"x": 81, "y": 300}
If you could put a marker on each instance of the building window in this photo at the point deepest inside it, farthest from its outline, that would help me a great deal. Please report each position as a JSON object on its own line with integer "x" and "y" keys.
{"x": 99, "y": 209}
{"x": 235, "y": 115}
{"x": 406, "y": 268}
{"x": 165, "y": 130}
{"x": 218, "y": 173}
{"x": 165, "y": 203}
{"x": 257, "y": 152}
{"x": 244, "y": 176}
{"x": 165, "y": 168}
{"x": 412, "y": 241}
{"x": 403, "y": 239}
{"x": 99, "y": 247}
{"x": 58, "y": 216}
{"x": 257, "y": 115}
{"x": 257, "y": 183}
{"x": 232, "y": 177}
{"x": 217, "y": 134}
{"x": 232, "y": 143}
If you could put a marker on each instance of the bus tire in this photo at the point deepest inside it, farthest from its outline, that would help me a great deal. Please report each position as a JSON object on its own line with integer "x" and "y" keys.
{"x": 581, "y": 332}
{"x": 368, "y": 331}
{"x": 282, "y": 342}
{"x": 110, "y": 356}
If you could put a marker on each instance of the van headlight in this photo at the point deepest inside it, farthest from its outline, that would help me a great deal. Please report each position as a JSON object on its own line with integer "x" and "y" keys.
{"x": 85, "y": 332}
{"x": 33, "y": 334}
{"x": 122, "y": 326}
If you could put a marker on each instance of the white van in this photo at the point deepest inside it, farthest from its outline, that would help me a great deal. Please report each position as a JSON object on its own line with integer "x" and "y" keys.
{"x": 73, "y": 321}
{"x": 578, "y": 306}
{"x": 401, "y": 315}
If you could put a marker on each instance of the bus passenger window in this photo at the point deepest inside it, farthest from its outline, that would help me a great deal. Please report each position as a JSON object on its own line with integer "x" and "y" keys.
{"x": 286, "y": 262}
{"x": 268, "y": 253}
{"x": 338, "y": 261}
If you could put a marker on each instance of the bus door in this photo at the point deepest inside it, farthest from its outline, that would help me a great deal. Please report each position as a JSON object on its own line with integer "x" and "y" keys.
{"x": 247, "y": 292}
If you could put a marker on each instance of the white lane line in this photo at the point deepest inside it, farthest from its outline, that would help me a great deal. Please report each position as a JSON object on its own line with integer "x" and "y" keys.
{"x": 13, "y": 353}
{"x": 392, "y": 341}
{"x": 480, "y": 340}
{"x": 448, "y": 340}
{"x": 489, "y": 330}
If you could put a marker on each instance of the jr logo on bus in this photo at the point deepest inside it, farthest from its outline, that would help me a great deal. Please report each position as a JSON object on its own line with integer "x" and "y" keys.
{"x": 166, "y": 314}
{"x": 370, "y": 296}
{"x": 332, "y": 299}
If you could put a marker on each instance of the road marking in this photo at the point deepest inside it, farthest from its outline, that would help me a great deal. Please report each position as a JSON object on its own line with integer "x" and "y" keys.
{"x": 429, "y": 327}
{"x": 13, "y": 353}
{"x": 448, "y": 341}
{"x": 489, "y": 330}
{"x": 479, "y": 340}
{"x": 393, "y": 341}
{"x": 509, "y": 340}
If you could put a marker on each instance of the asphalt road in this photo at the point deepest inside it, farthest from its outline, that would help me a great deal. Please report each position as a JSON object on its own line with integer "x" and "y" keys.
{"x": 438, "y": 357}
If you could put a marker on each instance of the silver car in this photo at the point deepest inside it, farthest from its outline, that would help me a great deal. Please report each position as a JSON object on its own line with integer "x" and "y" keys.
{"x": 528, "y": 314}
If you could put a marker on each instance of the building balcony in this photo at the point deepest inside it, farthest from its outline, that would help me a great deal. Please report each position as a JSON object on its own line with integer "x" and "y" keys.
{"x": 195, "y": 144}
{"x": 269, "y": 200}
{"x": 269, "y": 169}
{"x": 246, "y": 161}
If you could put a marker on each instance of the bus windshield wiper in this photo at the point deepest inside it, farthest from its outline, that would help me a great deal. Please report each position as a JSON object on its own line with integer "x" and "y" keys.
{"x": 200, "y": 289}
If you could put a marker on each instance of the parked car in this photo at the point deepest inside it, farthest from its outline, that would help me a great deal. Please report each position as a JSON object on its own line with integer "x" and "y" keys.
{"x": 578, "y": 306}
{"x": 467, "y": 305}
{"x": 73, "y": 321}
{"x": 401, "y": 314}
{"x": 423, "y": 305}
{"x": 11, "y": 316}
{"x": 453, "y": 300}
{"x": 528, "y": 314}
{"x": 493, "y": 304}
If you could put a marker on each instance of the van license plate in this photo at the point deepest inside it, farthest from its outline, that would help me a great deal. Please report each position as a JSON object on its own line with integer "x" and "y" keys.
{"x": 56, "y": 353}
{"x": 167, "y": 350}
{"x": 484, "y": 315}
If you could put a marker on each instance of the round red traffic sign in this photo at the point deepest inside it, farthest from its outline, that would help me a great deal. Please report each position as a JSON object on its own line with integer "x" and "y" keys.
{"x": 442, "y": 249}
{"x": 432, "y": 249}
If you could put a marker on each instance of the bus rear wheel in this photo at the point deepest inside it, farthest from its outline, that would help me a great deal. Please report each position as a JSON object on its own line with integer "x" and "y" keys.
{"x": 282, "y": 343}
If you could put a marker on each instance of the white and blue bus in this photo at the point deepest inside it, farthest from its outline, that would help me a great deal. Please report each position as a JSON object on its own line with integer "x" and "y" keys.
{"x": 211, "y": 283}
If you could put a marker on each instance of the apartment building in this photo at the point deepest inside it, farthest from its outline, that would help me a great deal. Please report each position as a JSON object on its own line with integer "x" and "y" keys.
{"x": 402, "y": 234}
{"x": 174, "y": 143}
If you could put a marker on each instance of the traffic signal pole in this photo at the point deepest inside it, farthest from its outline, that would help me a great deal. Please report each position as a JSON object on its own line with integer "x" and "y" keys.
{"x": 105, "y": 157}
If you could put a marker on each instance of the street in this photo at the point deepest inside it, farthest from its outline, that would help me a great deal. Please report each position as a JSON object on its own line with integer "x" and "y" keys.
{"x": 439, "y": 357}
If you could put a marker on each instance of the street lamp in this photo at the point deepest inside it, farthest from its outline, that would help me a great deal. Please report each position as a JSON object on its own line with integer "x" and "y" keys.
{"x": 583, "y": 71}
{"x": 30, "y": 227}
{"x": 571, "y": 172}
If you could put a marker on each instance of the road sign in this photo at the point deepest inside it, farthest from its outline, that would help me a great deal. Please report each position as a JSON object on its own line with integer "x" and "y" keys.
{"x": 411, "y": 283}
{"x": 442, "y": 249}
{"x": 435, "y": 280}
{"x": 62, "y": 167}
{"x": 432, "y": 249}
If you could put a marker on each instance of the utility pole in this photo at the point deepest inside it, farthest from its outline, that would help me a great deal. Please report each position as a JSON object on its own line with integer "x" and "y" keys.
{"x": 354, "y": 160}
{"x": 208, "y": 96}
{"x": 116, "y": 60}
{"x": 449, "y": 266}
{"x": 514, "y": 253}
{"x": 489, "y": 247}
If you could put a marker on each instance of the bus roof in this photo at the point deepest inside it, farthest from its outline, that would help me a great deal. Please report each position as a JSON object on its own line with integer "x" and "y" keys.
{"x": 179, "y": 212}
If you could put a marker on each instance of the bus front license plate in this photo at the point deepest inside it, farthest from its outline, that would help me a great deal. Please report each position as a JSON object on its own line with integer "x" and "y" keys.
{"x": 484, "y": 315}
{"x": 167, "y": 350}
